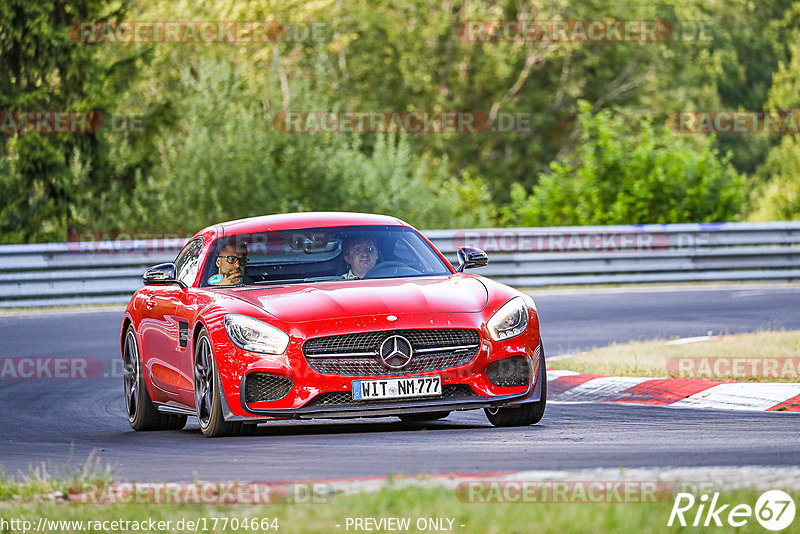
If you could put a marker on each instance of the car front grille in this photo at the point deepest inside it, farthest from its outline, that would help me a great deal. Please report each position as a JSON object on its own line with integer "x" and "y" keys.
{"x": 343, "y": 398}
{"x": 261, "y": 387}
{"x": 357, "y": 354}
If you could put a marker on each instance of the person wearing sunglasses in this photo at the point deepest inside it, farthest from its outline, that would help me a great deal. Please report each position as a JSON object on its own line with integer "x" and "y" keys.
{"x": 231, "y": 263}
{"x": 361, "y": 255}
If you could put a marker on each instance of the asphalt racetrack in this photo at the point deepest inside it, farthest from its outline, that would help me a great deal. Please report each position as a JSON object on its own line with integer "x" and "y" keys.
{"x": 60, "y": 422}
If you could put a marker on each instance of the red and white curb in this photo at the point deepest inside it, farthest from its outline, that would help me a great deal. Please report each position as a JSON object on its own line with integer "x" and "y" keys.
{"x": 572, "y": 387}
{"x": 321, "y": 490}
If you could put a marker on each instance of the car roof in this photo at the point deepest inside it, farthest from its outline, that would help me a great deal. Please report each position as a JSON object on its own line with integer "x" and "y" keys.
{"x": 311, "y": 219}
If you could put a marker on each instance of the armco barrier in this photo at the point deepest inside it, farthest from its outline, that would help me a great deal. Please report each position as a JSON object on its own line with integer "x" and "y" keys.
{"x": 67, "y": 273}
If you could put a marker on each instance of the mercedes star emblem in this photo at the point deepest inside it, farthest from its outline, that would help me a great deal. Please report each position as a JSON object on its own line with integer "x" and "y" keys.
{"x": 396, "y": 352}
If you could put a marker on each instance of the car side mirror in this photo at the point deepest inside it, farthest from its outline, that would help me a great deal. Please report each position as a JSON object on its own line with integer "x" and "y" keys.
{"x": 469, "y": 257}
{"x": 162, "y": 274}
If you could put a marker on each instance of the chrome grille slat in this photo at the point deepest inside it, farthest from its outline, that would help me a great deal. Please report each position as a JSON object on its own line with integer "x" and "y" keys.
{"x": 345, "y": 355}
{"x": 446, "y": 349}
{"x": 357, "y": 354}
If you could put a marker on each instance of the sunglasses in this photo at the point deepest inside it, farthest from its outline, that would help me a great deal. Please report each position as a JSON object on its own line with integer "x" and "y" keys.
{"x": 235, "y": 259}
{"x": 368, "y": 249}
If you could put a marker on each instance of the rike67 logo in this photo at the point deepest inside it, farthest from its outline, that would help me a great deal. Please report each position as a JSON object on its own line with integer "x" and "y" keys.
{"x": 774, "y": 510}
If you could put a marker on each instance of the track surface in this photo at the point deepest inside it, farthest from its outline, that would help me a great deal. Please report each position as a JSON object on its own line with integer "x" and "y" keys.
{"x": 62, "y": 421}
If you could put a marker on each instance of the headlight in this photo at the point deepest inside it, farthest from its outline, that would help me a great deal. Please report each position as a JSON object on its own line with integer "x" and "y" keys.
{"x": 254, "y": 335}
{"x": 529, "y": 301}
{"x": 509, "y": 321}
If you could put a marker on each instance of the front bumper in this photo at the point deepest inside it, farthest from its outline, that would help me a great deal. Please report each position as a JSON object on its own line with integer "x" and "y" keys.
{"x": 308, "y": 386}
{"x": 388, "y": 408}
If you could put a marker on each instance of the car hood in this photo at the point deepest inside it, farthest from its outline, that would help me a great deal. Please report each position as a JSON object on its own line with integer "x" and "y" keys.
{"x": 355, "y": 298}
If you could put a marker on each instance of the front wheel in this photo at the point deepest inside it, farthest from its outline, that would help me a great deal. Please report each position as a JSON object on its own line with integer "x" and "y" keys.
{"x": 523, "y": 415}
{"x": 142, "y": 414}
{"x": 207, "y": 398}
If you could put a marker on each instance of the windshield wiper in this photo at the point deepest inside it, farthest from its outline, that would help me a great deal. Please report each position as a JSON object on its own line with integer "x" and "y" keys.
{"x": 322, "y": 278}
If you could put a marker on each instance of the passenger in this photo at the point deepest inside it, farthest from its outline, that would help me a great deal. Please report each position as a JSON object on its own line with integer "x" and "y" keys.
{"x": 231, "y": 262}
{"x": 361, "y": 255}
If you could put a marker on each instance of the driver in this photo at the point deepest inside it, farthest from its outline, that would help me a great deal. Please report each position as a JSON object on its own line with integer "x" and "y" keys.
{"x": 231, "y": 263}
{"x": 361, "y": 255}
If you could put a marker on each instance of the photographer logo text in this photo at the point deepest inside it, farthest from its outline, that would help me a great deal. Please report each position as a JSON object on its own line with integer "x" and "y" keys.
{"x": 774, "y": 510}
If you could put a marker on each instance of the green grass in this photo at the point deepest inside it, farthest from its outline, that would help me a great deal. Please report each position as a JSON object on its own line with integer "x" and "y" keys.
{"x": 413, "y": 503}
{"x": 650, "y": 358}
{"x": 43, "y": 479}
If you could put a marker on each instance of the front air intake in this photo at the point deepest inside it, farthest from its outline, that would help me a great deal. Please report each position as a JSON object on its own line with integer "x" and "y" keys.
{"x": 262, "y": 387}
{"x": 509, "y": 372}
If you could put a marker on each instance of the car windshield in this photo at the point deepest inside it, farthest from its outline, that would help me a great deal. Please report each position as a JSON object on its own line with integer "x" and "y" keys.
{"x": 320, "y": 254}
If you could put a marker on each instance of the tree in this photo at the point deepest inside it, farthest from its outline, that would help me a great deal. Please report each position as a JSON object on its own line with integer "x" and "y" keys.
{"x": 620, "y": 177}
{"x": 227, "y": 160}
{"x": 776, "y": 195}
{"x": 47, "y": 179}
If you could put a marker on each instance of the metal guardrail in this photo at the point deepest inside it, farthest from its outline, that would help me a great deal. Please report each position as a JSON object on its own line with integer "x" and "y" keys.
{"x": 74, "y": 273}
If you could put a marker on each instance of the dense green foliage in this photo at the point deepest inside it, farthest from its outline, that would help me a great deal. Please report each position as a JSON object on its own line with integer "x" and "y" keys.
{"x": 654, "y": 177}
{"x": 777, "y": 195}
{"x": 203, "y": 146}
{"x": 45, "y": 178}
{"x": 228, "y": 162}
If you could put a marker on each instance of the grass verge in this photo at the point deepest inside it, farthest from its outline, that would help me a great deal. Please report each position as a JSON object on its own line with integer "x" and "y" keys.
{"x": 40, "y": 481}
{"x": 766, "y": 356}
{"x": 419, "y": 505}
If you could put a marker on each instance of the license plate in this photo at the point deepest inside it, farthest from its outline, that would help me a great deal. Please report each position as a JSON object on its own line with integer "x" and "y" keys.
{"x": 397, "y": 388}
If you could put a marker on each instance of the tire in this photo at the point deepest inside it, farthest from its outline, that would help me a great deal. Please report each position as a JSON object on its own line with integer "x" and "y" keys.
{"x": 523, "y": 415}
{"x": 248, "y": 429}
{"x": 142, "y": 414}
{"x": 208, "y": 403}
{"x": 422, "y": 417}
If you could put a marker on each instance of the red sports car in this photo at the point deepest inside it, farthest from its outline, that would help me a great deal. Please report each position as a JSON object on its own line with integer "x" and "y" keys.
{"x": 326, "y": 315}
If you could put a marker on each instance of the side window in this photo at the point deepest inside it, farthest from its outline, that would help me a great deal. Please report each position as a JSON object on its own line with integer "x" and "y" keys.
{"x": 188, "y": 261}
